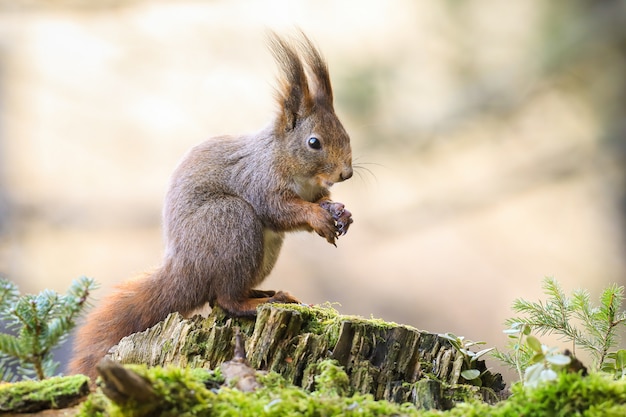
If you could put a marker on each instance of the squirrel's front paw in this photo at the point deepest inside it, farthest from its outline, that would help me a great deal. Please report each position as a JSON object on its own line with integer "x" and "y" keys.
{"x": 342, "y": 218}
{"x": 324, "y": 225}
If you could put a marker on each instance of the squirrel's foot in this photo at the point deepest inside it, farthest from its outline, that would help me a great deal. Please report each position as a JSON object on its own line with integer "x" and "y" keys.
{"x": 246, "y": 307}
{"x": 272, "y": 296}
{"x": 261, "y": 293}
{"x": 283, "y": 297}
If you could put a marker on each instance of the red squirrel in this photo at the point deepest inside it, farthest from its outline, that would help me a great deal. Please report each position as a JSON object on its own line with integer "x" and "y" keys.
{"x": 228, "y": 206}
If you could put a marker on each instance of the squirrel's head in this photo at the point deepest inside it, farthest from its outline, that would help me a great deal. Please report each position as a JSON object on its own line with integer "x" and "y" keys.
{"x": 311, "y": 137}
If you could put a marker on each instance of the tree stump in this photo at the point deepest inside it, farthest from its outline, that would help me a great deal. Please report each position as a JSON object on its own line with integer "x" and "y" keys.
{"x": 390, "y": 361}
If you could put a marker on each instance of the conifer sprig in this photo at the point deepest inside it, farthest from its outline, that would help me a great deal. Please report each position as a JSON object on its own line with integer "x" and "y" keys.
{"x": 36, "y": 324}
{"x": 574, "y": 319}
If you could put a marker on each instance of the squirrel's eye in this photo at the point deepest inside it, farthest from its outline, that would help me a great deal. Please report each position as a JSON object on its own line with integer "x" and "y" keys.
{"x": 314, "y": 143}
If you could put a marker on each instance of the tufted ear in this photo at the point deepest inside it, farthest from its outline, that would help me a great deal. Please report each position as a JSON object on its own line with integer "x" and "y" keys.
{"x": 317, "y": 71}
{"x": 294, "y": 99}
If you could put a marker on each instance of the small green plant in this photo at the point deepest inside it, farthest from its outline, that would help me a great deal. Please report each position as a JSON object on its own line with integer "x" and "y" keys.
{"x": 616, "y": 364}
{"x": 39, "y": 323}
{"x": 533, "y": 361}
{"x": 470, "y": 373}
{"x": 522, "y": 353}
{"x": 574, "y": 319}
{"x": 545, "y": 363}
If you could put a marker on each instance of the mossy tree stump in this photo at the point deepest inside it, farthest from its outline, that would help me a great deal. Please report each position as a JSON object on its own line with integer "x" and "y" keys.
{"x": 389, "y": 361}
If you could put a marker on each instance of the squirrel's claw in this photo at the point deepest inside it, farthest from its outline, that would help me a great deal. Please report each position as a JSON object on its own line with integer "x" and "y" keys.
{"x": 343, "y": 222}
{"x": 341, "y": 217}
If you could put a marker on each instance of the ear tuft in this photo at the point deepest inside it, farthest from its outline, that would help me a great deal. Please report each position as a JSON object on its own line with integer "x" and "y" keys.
{"x": 297, "y": 94}
{"x": 318, "y": 71}
{"x": 293, "y": 93}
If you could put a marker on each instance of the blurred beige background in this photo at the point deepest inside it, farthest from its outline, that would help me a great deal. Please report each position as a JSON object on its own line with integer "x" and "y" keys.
{"x": 491, "y": 137}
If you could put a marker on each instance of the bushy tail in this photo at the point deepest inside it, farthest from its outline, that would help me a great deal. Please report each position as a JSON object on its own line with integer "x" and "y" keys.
{"x": 136, "y": 305}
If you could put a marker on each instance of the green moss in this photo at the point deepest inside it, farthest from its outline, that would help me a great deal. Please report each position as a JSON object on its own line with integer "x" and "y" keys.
{"x": 54, "y": 392}
{"x": 185, "y": 392}
{"x": 94, "y": 406}
{"x": 197, "y": 392}
{"x": 326, "y": 320}
{"x": 188, "y": 393}
{"x": 331, "y": 379}
{"x": 315, "y": 318}
{"x": 318, "y": 317}
{"x": 167, "y": 346}
{"x": 179, "y": 392}
{"x": 570, "y": 395}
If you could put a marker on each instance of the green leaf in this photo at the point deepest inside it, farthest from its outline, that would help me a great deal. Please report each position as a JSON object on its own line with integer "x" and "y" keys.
{"x": 558, "y": 359}
{"x": 470, "y": 374}
{"x": 467, "y": 353}
{"x": 482, "y": 352}
{"x": 537, "y": 358}
{"x": 608, "y": 367}
{"x": 532, "y": 376}
{"x": 534, "y": 343}
{"x": 548, "y": 375}
{"x": 470, "y": 343}
{"x": 620, "y": 359}
{"x": 454, "y": 340}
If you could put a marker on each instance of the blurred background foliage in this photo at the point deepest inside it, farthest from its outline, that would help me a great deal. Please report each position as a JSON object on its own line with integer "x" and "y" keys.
{"x": 491, "y": 136}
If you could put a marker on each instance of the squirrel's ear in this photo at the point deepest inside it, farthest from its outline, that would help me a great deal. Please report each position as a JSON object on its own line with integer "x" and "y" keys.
{"x": 318, "y": 71}
{"x": 293, "y": 94}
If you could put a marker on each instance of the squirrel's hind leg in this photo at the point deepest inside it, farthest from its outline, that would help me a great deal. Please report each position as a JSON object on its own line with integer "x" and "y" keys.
{"x": 232, "y": 253}
{"x": 246, "y": 307}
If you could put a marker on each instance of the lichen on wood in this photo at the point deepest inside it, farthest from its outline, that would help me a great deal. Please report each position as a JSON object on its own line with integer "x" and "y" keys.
{"x": 386, "y": 360}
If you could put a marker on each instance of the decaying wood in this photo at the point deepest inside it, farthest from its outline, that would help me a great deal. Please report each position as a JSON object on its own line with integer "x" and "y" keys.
{"x": 122, "y": 385}
{"x": 393, "y": 362}
{"x": 237, "y": 371}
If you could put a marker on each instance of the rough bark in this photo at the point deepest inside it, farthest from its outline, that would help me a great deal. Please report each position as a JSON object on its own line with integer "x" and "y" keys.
{"x": 390, "y": 361}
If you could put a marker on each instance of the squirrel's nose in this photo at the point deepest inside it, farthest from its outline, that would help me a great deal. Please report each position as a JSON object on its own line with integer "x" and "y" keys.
{"x": 345, "y": 174}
